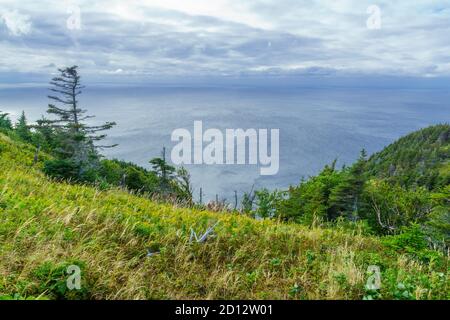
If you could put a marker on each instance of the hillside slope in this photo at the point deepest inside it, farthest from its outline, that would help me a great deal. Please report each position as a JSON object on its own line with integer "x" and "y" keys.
{"x": 420, "y": 158}
{"x": 46, "y": 226}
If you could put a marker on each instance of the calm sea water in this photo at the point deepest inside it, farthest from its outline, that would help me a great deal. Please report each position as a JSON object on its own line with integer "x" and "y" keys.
{"x": 316, "y": 125}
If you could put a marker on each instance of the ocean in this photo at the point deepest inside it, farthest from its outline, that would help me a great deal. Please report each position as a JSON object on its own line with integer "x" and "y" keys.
{"x": 316, "y": 125}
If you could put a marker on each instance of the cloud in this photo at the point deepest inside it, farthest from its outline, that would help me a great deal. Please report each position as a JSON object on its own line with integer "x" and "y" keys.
{"x": 177, "y": 38}
{"x": 17, "y": 24}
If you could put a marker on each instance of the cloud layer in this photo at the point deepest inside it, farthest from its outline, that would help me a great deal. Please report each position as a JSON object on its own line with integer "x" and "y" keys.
{"x": 182, "y": 38}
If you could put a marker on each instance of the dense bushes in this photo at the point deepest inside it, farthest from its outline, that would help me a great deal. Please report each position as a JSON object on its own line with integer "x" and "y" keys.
{"x": 404, "y": 185}
{"x": 128, "y": 175}
{"x": 46, "y": 226}
{"x": 309, "y": 201}
{"x": 390, "y": 207}
{"x": 62, "y": 169}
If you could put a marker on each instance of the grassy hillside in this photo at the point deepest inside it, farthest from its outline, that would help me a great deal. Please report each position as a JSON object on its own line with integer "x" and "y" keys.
{"x": 46, "y": 226}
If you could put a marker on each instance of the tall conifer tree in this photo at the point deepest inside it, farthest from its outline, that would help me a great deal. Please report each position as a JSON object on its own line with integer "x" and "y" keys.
{"x": 76, "y": 139}
{"x": 22, "y": 129}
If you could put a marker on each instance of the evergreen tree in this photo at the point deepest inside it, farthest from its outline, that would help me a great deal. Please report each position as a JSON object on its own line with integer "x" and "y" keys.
{"x": 185, "y": 189}
{"x": 5, "y": 122}
{"x": 164, "y": 171}
{"x": 75, "y": 139}
{"x": 345, "y": 198}
{"x": 309, "y": 201}
{"x": 439, "y": 220}
{"x": 247, "y": 201}
{"x": 43, "y": 135}
{"x": 22, "y": 129}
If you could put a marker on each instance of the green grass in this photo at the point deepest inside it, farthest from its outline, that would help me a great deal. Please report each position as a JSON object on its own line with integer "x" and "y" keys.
{"x": 46, "y": 226}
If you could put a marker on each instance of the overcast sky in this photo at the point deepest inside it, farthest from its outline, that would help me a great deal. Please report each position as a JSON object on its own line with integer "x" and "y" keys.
{"x": 184, "y": 38}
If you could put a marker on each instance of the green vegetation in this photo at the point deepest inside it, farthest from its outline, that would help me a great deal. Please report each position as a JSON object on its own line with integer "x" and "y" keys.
{"x": 47, "y": 225}
{"x": 405, "y": 184}
{"x": 5, "y": 123}
{"x": 72, "y": 141}
{"x": 419, "y": 159}
{"x": 74, "y": 149}
{"x": 136, "y": 233}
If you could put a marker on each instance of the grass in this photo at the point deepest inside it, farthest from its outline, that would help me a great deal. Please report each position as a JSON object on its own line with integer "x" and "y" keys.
{"x": 45, "y": 226}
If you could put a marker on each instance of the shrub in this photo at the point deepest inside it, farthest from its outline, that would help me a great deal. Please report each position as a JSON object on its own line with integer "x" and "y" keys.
{"x": 62, "y": 169}
{"x": 413, "y": 241}
{"x": 410, "y": 240}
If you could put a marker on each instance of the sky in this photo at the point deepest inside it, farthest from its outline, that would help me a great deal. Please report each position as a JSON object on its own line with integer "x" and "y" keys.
{"x": 185, "y": 39}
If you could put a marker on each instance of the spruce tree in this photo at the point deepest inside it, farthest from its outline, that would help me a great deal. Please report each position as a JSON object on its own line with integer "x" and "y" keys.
{"x": 75, "y": 139}
{"x": 22, "y": 129}
{"x": 345, "y": 198}
{"x": 164, "y": 171}
{"x": 184, "y": 185}
{"x": 43, "y": 135}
